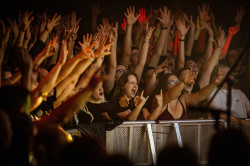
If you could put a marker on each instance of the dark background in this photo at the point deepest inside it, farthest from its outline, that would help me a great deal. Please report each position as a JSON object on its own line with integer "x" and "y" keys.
{"x": 224, "y": 10}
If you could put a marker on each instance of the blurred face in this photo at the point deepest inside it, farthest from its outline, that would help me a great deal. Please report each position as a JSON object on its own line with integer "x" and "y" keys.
{"x": 131, "y": 86}
{"x": 170, "y": 63}
{"x": 134, "y": 56}
{"x": 192, "y": 65}
{"x": 98, "y": 94}
{"x": 188, "y": 88}
{"x": 120, "y": 69}
{"x": 232, "y": 57}
{"x": 172, "y": 81}
{"x": 225, "y": 71}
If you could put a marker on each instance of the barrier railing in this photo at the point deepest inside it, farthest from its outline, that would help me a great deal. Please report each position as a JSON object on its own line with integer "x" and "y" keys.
{"x": 142, "y": 141}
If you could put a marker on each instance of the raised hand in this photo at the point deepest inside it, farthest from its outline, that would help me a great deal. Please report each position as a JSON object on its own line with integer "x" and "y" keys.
{"x": 73, "y": 21}
{"x": 52, "y": 47}
{"x": 239, "y": 15}
{"x": 165, "y": 16}
{"x": 130, "y": 15}
{"x": 143, "y": 19}
{"x": 203, "y": 12}
{"x": 190, "y": 77}
{"x": 103, "y": 50}
{"x": 233, "y": 30}
{"x": 115, "y": 32}
{"x": 189, "y": 20}
{"x": 14, "y": 27}
{"x": 209, "y": 29}
{"x": 159, "y": 99}
{"x": 95, "y": 9}
{"x": 124, "y": 24}
{"x": 221, "y": 39}
{"x": 53, "y": 22}
{"x": 149, "y": 31}
{"x": 86, "y": 41}
{"x": 27, "y": 19}
{"x": 200, "y": 24}
{"x": 180, "y": 23}
{"x": 140, "y": 100}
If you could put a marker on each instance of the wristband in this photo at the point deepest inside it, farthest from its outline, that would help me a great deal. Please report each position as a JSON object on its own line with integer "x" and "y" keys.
{"x": 210, "y": 41}
{"x": 147, "y": 41}
{"x": 181, "y": 39}
{"x": 162, "y": 27}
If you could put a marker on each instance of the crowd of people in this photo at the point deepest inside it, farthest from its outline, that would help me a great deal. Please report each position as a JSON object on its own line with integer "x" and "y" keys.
{"x": 157, "y": 64}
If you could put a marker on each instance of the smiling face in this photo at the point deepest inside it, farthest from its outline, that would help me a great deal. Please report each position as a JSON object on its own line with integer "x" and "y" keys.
{"x": 131, "y": 86}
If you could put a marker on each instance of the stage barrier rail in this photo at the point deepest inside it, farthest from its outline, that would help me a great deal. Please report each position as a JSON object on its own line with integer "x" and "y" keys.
{"x": 142, "y": 141}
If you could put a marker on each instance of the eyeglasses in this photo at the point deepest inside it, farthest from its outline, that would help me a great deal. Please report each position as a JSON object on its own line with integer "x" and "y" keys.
{"x": 174, "y": 82}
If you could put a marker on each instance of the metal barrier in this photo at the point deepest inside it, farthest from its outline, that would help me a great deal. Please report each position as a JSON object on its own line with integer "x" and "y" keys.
{"x": 142, "y": 141}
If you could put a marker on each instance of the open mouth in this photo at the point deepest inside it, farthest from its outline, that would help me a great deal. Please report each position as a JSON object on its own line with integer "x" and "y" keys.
{"x": 133, "y": 92}
{"x": 101, "y": 93}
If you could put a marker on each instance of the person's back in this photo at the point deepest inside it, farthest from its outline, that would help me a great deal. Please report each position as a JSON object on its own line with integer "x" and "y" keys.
{"x": 229, "y": 147}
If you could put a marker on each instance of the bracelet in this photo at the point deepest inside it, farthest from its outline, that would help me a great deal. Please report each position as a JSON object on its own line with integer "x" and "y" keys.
{"x": 181, "y": 39}
{"x": 162, "y": 27}
{"x": 147, "y": 41}
{"x": 113, "y": 46}
{"x": 210, "y": 41}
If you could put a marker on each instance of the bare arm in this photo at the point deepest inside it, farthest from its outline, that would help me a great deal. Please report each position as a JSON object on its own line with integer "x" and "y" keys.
{"x": 143, "y": 54}
{"x": 65, "y": 111}
{"x": 195, "y": 98}
{"x": 131, "y": 19}
{"x": 180, "y": 23}
{"x": 209, "y": 47}
{"x": 190, "y": 40}
{"x": 165, "y": 19}
{"x": 156, "y": 107}
{"x": 212, "y": 62}
{"x": 109, "y": 83}
{"x": 175, "y": 91}
{"x": 48, "y": 82}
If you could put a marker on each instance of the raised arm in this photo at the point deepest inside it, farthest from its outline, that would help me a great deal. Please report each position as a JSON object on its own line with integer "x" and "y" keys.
{"x": 212, "y": 62}
{"x": 165, "y": 20}
{"x": 139, "y": 103}
{"x": 195, "y": 98}
{"x": 156, "y": 107}
{"x": 49, "y": 27}
{"x": 180, "y": 23}
{"x": 231, "y": 32}
{"x": 95, "y": 11}
{"x": 27, "y": 19}
{"x": 65, "y": 111}
{"x": 190, "y": 40}
{"x": 210, "y": 43}
{"x": 175, "y": 91}
{"x": 131, "y": 19}
{"x": 143, "y": 53}
{"x": 112, "y": 62}
{"x": 48, "y": 82}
